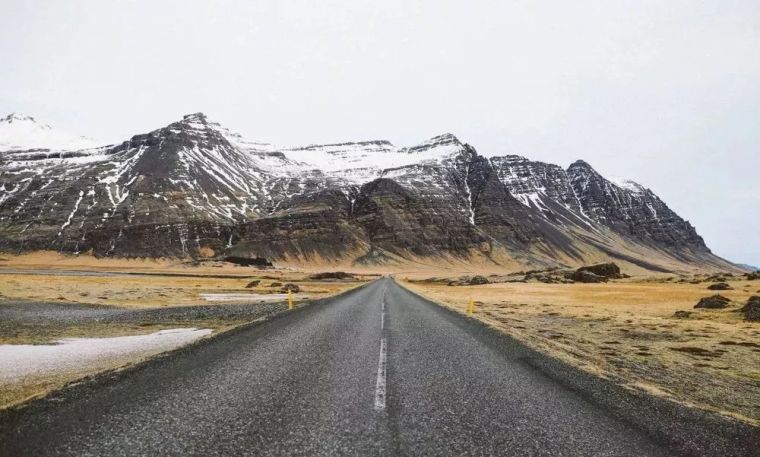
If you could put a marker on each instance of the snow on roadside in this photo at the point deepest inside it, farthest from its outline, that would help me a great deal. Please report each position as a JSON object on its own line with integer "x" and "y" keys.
{"x": 243, "y": 297}
{"x": 20, "y": 362}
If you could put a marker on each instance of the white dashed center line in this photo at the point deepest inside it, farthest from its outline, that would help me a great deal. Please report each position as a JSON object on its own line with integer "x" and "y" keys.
{"x": 380, "y": 384}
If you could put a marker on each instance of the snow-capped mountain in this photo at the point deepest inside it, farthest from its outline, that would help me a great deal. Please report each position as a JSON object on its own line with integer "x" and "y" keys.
{"x": 19, "y": 132}
{"x": 193, "y": 188}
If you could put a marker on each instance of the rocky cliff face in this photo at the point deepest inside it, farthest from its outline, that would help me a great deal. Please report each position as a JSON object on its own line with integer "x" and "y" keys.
{"x": 631, "y": 210}
{"x": 193, "y": 187}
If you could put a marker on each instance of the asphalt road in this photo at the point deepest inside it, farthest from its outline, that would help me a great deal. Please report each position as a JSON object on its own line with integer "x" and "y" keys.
{"x": 376, "y": 371}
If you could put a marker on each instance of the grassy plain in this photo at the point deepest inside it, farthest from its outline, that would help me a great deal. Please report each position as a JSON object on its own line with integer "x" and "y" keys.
{"x": 626, "y": 331}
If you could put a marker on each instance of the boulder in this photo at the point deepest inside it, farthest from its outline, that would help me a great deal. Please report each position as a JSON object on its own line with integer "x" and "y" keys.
{"x": 332, "y": 275}
{"x": 249, "y": 261}
{"x": 605, "y": 270}
{"x": 682, "y": 314}
{"x": 275, "y": 284}
{"x": 290, "y": 287}
{"x": 586, "y": 277}
{"x": 253, "y": 284}
{"x": 720, "y": 286}
{"x": 751, "y": 310}
{"x": 478, "y": 280}
{"x": 713, "y": 302}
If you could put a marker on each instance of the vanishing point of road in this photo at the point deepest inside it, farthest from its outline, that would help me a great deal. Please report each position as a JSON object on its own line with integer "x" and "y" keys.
{"x": 375, "y": 371}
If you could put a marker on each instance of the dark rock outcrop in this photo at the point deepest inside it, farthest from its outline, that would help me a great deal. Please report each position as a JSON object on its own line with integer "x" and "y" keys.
{"x": 478, "y": 280}
{"x": 332, "y": 275}
{"x": 607, "y": 270}
{"x": 290, "y": 287}
{"x": 720, "y": 286}
{"x": 751, "y": 309}
{"x": 713, "y": 302}
{"x": 586, "y": 277}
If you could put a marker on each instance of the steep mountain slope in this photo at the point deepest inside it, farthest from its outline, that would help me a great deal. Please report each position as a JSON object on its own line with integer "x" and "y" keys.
{"x": 193, "y": 188}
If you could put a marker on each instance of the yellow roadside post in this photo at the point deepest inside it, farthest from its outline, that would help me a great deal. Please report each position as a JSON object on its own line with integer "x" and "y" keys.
{"x": 471, "y": 307}
{"x": 290, "y": 299}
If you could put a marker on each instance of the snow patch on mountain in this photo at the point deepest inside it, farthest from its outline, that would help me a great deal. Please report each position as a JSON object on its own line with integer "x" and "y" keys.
{"x": 628, "y": 185}
{"x": 361, "y": 162}
{"x": 19, "y": 132}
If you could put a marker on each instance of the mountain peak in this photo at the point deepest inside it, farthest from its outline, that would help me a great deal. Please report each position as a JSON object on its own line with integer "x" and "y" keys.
{"x": 22, "y": 132}
{"x": 581, "y": 164}
{"x": 195, "y": 117}
{"x": 17, "y": 117}
{"x": 445, "y": 138}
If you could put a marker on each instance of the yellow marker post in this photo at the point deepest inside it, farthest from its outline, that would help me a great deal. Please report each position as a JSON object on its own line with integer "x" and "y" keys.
{"x": 290, "y": 299}
{"x": 471, "y": 307}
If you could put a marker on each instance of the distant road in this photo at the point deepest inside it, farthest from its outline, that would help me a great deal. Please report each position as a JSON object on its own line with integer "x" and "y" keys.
{"x": 376, "y": 371}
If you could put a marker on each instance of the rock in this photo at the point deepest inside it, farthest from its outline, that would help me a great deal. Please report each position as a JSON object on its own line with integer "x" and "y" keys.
{"x": 720, "y": 286}
{"x": 753, "y": 276}
{"x": 553, "y": 276}
{"x": 249, "y": 262}
{"x": 478, "y": 280}
{"x": 751, "y": 309}
{"x": 290, "y": 287}
{"x": 586, "y": 277}
{"x": 605, "y": 270}
{"x": 713, "y": 302}
{"x": 275, "y": 284}
{"x": 682, "y": 314}
{"x": 253, "y": 284}
{"x": 332, "y": 275}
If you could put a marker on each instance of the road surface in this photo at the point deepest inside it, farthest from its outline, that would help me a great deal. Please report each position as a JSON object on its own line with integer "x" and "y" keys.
{"x": 376, "y": 371}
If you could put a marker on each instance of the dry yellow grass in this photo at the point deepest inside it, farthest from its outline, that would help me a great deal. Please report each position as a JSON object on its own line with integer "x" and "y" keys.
{"x": 159, "y": 287}
{"x": 626, "y": 331}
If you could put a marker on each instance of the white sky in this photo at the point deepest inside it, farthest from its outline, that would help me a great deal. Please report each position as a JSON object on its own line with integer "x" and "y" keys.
{"x": 664, "y": 92}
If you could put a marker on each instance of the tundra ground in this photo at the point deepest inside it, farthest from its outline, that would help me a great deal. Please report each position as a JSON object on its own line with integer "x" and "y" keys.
{"x": 626, "y": 331}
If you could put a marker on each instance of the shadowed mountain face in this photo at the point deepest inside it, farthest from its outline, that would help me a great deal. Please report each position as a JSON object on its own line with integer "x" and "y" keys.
{"x": 193, "y": 188}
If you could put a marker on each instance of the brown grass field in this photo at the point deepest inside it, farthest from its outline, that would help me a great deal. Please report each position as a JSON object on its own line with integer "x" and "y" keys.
{"x": 625, "y": 331}
{"x": 160, "y": 284}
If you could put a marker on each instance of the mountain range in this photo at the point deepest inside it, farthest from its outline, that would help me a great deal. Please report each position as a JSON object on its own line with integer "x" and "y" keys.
{"x": 194, "y": 189}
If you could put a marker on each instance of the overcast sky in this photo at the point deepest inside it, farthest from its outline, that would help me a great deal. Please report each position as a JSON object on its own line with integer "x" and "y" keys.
{"x": 664, "y": 92}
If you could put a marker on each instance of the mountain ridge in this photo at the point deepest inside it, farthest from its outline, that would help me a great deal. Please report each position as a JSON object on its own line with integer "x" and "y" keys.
{"x": 194, "y": 187}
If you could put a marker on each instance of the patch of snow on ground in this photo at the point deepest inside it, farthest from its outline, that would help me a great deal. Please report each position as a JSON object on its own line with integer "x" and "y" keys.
{"x": 18, "y": 362}
{"x": 243, "y": 297}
